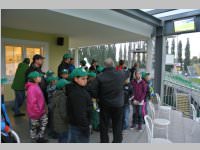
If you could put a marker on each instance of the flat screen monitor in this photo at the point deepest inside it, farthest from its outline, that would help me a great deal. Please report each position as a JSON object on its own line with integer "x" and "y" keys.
{"x": 184, "y": 25}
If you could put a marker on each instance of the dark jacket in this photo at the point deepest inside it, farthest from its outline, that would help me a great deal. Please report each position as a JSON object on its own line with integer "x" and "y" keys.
{"x": 132, "y": 70}
{"x": 128, "y": 93}
{"x": 108, "y": 87}
{"x": 19, "y": 80}
{"x": 79, "y": 106}
{"x": 58, "y": 106}
{"x": 93, "y": 69}
{"x": 62, "y": 66}
{"x": 140, "y": 90}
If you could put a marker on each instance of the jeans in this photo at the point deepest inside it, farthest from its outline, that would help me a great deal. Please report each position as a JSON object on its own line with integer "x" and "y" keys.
{"x": 126, "y": 117}
{"x": 19, "y": 99}
{"x": 116, "y": 116}
{"x": 137, "y": 114}
{"x": 76, "y": 135}
{"x": 63, "y": 137}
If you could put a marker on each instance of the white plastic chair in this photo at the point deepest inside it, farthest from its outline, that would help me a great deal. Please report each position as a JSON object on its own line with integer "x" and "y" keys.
{"x": 194, "y": 114}
{"x": 149, "y": 128}
{"x": 160, "y": 123}
{"x": 164, "y": 109}
{"x": 194, "y": 117}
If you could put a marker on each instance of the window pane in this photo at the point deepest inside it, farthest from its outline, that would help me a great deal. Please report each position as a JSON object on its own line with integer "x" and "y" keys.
{"x": 30, "y": 52}
{"x": 13, "y": 58}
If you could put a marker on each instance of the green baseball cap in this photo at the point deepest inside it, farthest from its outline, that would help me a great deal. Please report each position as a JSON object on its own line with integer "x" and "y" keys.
{"x": 51, "y": 78}
{"x": 4, "y": 80}
{"x": 65, "y": 71}
{"x": 92, "y": 74}
{"x": 66, "y": 56}
{"x": 78, "y": 72}
{"x": 100, "y": 69}
{"x": 144, "y": 74}
{"x": 49, "y": 73}
{"x": 61, "y": 83}
{"x": 34, "y": 74}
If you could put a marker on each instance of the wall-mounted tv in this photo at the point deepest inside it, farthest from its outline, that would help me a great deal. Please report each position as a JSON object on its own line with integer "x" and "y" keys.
{"x": 184, "y": 25}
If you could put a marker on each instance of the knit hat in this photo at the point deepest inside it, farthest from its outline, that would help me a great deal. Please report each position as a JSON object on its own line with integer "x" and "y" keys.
{"x": 66, "y": 56}
{"x": 83, "y": 62}
{"x": 49, "y": 73}
{"x": 61, "y": 83}
{"x": 34, "y": 74}
{"x": 92, "y": 74}
{"x": 65, "y": 71}
{"x": 78, "y": 72}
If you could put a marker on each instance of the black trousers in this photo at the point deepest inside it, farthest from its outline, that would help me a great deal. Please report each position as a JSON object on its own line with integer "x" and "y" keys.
{"x": 116, "y": 115}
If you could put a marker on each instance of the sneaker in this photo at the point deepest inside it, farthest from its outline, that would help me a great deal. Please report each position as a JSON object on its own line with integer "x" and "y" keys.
{"x": 139, "y": 128}
{"x": 19, "y": 114}
{"x": 42, "y": 140}
{"x": 133, "y": 127}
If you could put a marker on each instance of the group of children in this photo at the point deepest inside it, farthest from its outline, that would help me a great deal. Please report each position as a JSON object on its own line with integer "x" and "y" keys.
{"x": 68, "y": 111}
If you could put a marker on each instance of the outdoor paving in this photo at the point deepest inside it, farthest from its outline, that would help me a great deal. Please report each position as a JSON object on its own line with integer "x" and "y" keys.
{"x": 179, "y": 131}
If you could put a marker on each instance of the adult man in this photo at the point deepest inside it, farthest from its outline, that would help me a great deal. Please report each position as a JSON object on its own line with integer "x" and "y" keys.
{"x": 65, "y": 64}
{"x": 93, "y": 66}
{"x": 19, "y": 86}
{"x": 133, "y": 69}
{"x": 36, "y": 65}
{"x": 71, "y": 67}
{"x": 108, "y": 87}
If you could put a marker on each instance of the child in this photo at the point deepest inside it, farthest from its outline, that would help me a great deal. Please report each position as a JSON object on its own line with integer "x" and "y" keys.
{"x": 36, "y": 108}
{"x": 79, "y": 107}
{"x": 128, "y": 93}
{"x": 58, "y": 107}
{"x": 51, "y": 88}
{"x": 140, "y": 89}
{"x": 150, "y": 90}
{"x": 64, "y": 74}
{"x": 95, "y": 111}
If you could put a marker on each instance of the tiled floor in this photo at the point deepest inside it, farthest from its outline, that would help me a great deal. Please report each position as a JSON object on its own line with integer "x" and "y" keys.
{"x": 179, "y": 131}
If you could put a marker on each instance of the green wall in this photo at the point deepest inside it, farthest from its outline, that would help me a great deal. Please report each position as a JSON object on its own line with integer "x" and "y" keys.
{"x": 55, "y": 52}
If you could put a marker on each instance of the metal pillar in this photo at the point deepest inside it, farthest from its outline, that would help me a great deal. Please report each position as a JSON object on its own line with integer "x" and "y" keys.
{"x": 159, "y": 61}
{"x": 76, "y": 61}
{"x": 149, "y": 55}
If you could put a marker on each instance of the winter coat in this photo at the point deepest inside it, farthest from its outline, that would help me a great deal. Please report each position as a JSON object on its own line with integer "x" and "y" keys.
{"x": 108, "y": 87}
{"x": 58, "y": 106}
{"x": 42, "y": 84}
{"x": 140, "y": 90}
{"x": 79, "y": 106}
{"x": 19, "y": 80}
{"x": 35, "y": 101}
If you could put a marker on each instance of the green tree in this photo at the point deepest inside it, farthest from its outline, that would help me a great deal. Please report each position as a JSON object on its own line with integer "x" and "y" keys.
{"x": 187, "y": 55}
{"x": 180, "y": 60}
{"x": 173, "y": 47}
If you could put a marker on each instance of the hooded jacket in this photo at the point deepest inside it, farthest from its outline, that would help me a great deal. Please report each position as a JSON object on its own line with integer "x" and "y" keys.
{"x": 35, "y": 101}
{"x": 140, "y": 89}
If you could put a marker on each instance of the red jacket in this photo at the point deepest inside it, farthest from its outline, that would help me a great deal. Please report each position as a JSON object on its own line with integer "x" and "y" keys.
{"x": 140, "y": 89}
{"x": 119, "y": 68}
{"x": 35, "y": 101}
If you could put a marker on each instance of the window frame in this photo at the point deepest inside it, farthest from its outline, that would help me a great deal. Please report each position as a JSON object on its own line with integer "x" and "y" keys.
{"x": 24, "y": 44}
